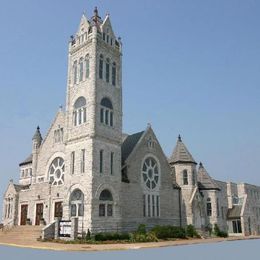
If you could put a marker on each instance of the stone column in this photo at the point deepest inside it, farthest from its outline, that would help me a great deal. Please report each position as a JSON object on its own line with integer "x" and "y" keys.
{"x": 56, "y": 229}
{"x": 74, "y": 228}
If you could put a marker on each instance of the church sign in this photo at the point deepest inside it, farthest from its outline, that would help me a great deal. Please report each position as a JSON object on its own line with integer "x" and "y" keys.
{"x": 65, "y": 228}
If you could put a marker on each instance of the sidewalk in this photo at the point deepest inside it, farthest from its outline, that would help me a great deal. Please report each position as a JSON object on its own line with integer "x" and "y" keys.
{"x": 105, "y": 247}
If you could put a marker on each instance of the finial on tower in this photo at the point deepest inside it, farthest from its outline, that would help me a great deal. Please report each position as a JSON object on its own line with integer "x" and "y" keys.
{"x": 201, "y": 165}
{"x": 95, "y": 11}
{"x": 96, "y": 18}
{"x": 179, "y": 138}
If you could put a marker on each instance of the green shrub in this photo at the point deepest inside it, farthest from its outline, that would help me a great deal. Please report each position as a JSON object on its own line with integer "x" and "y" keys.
{"x": 164, "y": 232}
{"x": 141, "y": 229}
{"x": 111, "y": 236}
{"x": 191, "y": 231}
{"x": 219, "y": 233}
{"x": 141, "y": 237}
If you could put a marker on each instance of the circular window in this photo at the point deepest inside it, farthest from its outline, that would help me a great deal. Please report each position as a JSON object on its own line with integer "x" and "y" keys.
{"x": 56, "y": 171}
{"x": 150, "y": 173}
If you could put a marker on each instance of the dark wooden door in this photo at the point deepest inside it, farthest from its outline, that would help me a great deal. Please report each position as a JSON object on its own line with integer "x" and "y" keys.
{"x": 24, "y": 210}
{"x": 58, "y": 210}
{"x": 39, "y": 213}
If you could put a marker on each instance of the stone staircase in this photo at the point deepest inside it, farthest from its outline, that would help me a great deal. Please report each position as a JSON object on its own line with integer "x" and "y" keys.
{"x": 21, "y": 235}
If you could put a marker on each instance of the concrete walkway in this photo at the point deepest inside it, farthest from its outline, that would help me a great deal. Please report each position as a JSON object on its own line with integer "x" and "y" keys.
{"x": 27, "y": 241}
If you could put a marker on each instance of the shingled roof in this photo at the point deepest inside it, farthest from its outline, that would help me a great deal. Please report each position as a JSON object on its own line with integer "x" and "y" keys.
{"x": 18, "y": 188}
{"x": 129, "y": 144}
{"x": 26, "y": 161}
{"x": 205, "y": 182}
{"x": 235, "y": 212}
{"x": 181, "y": 154}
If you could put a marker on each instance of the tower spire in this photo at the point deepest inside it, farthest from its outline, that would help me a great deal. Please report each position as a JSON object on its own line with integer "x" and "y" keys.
{"x": 96, "y": 18}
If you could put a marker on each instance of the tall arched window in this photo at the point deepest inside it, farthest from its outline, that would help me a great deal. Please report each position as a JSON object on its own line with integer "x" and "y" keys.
{"x": 185, "y": 177}
{"x": 75, "y": 72}
{"x": 80, "y": 111}
{"x": 77, "y": 203}
{"x": 151, "y": 183}
{"x": 105, "y": 204}
{"x": 101, "y": 61}
{"x": 87, "y": 66}
{"x": 81, "y": 69}
{"x": 209, "y": 207}
{"x": 107, "y": 70}
{"x": 106, "y": 112}
{"x": 114, "y": 74}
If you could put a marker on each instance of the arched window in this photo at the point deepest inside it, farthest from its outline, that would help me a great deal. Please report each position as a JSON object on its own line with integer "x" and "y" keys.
{"x": 87, "y": 66}
{"x": 101, "y": 61}
{"x": 114, "y": 74}
{"x": 105, "y": 204}
{"x": 77, "y": 203}
{"x": 151, "y": 180}
{"x": 185, "y": 177}
{"x": 81, "y": 69}
{"x": 209, "y": 207}
{"x": 107, "y": 70}
{"x": 235, "y": 200}
{"x": 75, "y": 72}
{"x": 80, "y": 111}
{"x": 106, "y": 112}
{"x": 56, "y": 171}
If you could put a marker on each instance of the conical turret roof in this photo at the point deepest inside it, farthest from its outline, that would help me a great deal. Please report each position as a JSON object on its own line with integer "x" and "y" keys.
{"x": 205, "y": 182}
{"x": 37, "y": 136}
{"x": 181, "y": 154}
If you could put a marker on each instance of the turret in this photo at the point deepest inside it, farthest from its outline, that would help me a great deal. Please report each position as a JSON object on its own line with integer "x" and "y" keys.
{"x": 183, "y": 165}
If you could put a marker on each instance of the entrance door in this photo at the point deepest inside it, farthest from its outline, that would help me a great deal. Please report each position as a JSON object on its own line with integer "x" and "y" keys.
{"x": 39, "y": 213}
{"x": 58, "y": 210}
{"x": 24, "y": 211}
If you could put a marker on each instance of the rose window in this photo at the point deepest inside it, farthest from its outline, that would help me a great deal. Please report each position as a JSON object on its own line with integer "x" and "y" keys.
{"x": 150, "y": 173}
{"x": 56, "y": 171}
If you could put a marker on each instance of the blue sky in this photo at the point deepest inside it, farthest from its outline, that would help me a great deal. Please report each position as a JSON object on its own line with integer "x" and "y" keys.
{"x": 189, "y": 67}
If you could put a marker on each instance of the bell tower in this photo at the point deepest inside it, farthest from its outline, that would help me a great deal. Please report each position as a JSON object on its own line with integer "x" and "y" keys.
{"x": 94, "y": 116}
{"x": 94, "y": 88}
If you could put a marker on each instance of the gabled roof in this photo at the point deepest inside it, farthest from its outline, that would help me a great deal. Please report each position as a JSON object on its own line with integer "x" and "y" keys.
{"x": 129, "y": 144}
{"x": 205, "y": 182}
{"x": 26, "y": 161}
{"x": 181, "y": 154}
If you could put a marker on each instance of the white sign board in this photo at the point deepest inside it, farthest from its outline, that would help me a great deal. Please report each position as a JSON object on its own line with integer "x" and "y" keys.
{"x": 65, "y": 228}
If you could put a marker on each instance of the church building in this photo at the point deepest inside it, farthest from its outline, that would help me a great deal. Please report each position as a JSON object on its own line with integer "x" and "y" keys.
{"x": 87, "y": 168}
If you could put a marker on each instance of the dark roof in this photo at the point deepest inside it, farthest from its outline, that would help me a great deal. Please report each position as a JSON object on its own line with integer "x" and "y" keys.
{"x": 181, "y": 154}
{"x": 26, "y": 161}
{"x": 235, "y": 212}
{"x": 21, "y": 187}
{"x": 37, "y": 136}
{"x": 205, "y": 182}
{"x": 129, "y": 144}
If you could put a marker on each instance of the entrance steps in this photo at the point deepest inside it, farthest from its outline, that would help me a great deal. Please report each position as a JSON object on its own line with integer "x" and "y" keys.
{"x": 20, "y": 234}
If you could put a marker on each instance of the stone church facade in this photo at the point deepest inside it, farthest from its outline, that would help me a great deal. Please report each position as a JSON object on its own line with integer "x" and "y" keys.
{"x": 85, "y": 167}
